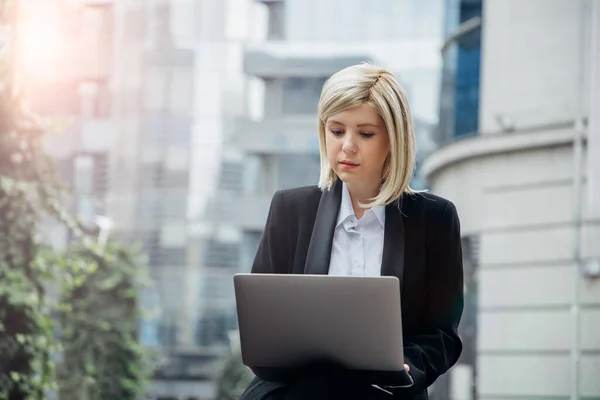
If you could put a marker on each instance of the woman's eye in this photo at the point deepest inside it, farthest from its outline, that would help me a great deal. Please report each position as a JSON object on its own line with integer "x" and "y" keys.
{"x": 336, "y": 132}
{"x": 367, "y": 134}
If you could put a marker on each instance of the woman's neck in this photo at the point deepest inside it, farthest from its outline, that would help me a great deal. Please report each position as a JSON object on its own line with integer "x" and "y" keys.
{"x": 360, "y": 195}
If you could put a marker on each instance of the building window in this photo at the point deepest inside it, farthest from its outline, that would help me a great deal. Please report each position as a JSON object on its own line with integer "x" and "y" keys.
{"x": 231, "y": 176}
{"x": 267, "y": 173}
{"x": 181, "y": 100}
{"x": 459, "y": 99}
{"x": 221, "y": 254}
{"x": 174, "y": 204}
{"x": 276, "y": 20}
{"x": 296, "y": 170}
{"x": 173, "y": 234}
{"x": 100, "y": 181}
{"x": 468, "y": 325}
{"x": 175, "y": 179}
{"x": 169, "y": 88}
{"x": 177, "y": 158}
{"x": 101, "y": 107}
{"x": 167, "y": 333}
{"x": 151, "y": 241}
{"x": 301, "y": 95}
{"x": 151, "y": 175}
{"x": 248, "y": 248}
{"x": 173, "y": 256}
{"x": 149, "y": 323}
{"x": 467, "y": 84}
{"x": 214, "y": 327}
{"x": 182, "y": 22}
{"x": 163, "y": 128}
{"x": 155, "y": 82}
{"x": 149, "y": 205}
{"x": 84, "y": 173}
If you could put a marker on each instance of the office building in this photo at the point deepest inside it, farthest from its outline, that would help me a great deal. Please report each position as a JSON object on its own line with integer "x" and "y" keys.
{"x": 509, "y": 165}
{"x": 178, "y": 92}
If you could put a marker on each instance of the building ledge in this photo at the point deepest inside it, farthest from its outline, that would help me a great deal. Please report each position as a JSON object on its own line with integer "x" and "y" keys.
{"x": 284, "y": 59}
{"x": 285, "y": 134}
{"x": 482, "y": 145}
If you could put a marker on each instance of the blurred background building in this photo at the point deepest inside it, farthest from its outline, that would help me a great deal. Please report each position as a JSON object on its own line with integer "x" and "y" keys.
{"x": 247, "y": 128}
{"x": 179, "y": 89}
{"x": 516, "y": 96}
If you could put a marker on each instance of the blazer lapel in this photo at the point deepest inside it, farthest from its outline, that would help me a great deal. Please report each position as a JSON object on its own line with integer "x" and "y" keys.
{"x": 392, "y": 261}
{"x": 319, "y": 249}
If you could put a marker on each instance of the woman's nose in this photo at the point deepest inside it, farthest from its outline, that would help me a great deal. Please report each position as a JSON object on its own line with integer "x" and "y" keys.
{"x": 348, "y": 145}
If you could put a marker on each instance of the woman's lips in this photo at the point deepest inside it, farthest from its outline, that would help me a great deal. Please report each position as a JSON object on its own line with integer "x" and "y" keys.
{"x": 348, "y": 165}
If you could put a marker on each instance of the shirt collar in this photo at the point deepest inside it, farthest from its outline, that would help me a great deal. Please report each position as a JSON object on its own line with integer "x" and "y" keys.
{"x": 347, "y": 211}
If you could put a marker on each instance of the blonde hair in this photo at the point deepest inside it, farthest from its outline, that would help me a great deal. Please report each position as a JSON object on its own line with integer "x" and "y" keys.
{"x": 378, "y": 87}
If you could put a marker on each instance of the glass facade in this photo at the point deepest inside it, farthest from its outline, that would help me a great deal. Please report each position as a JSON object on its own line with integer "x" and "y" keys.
{"x": 377, "y": 20}
{"x": 459, "y": 100}
{"x": 164, "y": 146}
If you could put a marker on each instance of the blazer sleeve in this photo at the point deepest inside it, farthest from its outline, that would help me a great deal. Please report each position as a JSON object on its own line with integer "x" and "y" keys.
{"x": 273, "y": 251}
{"x": 436, "y": 346}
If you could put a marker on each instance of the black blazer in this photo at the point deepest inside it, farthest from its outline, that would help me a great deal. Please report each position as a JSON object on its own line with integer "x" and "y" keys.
{"x": 422, "y": 247}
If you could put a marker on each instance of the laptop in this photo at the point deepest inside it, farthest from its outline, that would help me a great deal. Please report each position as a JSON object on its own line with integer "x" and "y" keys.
{"x": 288, "y": 320}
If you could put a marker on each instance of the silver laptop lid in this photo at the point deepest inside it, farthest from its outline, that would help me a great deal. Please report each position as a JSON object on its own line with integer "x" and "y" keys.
{"x": 287, "y": 320}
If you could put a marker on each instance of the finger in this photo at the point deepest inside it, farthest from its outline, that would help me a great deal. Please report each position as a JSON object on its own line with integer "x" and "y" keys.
{"x": 406, "y": 367}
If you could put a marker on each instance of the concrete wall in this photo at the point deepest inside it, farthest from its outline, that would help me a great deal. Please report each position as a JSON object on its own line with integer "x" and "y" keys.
{"x": 519, "y": 203}
{"x": 529, "y": 61}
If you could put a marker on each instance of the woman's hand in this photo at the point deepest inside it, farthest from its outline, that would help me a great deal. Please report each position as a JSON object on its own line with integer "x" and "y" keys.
{"x": 406, "y": 367}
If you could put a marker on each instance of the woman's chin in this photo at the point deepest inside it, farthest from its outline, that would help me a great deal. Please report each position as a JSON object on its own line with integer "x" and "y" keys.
{"x": 344, "y": 176}
{"x": 348, "y": 177}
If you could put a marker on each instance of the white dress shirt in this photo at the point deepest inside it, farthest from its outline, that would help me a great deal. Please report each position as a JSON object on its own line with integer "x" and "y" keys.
{"x": 357, "y": 243}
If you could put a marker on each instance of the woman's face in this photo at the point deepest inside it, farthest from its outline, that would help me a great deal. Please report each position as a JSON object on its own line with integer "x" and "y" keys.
{"x": 357, "y": 145}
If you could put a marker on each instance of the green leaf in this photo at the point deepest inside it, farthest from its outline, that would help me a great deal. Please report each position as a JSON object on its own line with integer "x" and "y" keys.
{"x": 105, "y": 326}
{"x": 91, "y": 268}
{"x": 78, "y": 281}
{"x": 21, "y": 338}
{"x": 110, "y": 283}
{"x": 130, "y": 293}
{"x": 15, "y": 376}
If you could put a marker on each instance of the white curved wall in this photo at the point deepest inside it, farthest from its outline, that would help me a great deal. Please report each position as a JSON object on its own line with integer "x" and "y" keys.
{"x": 518, "y": 197}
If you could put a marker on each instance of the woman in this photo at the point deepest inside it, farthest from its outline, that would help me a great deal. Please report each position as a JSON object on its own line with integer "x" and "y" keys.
{"x": 363, "y": 219}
